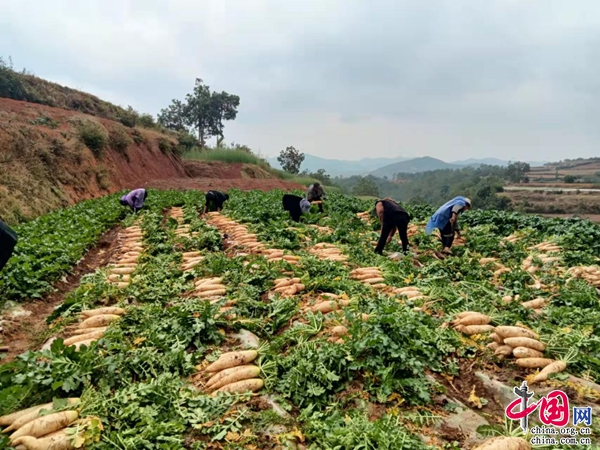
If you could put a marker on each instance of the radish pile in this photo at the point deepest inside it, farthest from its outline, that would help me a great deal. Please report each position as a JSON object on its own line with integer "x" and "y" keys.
{"x": 128, "y": 252}
{"x": 369, "y": 275}
{"x": 524, "y": 345}
{"x": 591, "y": 274}
{"x": 500, "y": 268}
{"x": 233, "y": 373}
{"x": 239, "y": 234}
{"x": 328, "y": 252}
{"x": 191, "y": 260}
{"x": 327, "y": 303}
{"x": 94, "y": 324}
{"x": 471, "y": 322}
{"x": 182, "y": 228}
{"x": 410, "y": 292}
{"x": 209, "y": 287}
{"x": 32, "y": 430}
{"x": 276, "y": 255}
{"x": 288, "y": 286}
{"x": 529, "y": 265}
{"x": 513, "y": 238}
{"x": 545, "y": 247}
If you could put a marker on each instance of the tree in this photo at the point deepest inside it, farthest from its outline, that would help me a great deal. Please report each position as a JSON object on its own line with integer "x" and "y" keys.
{"x": 173, "y": 116}
{"x": 291, "y": 160}
{"x": 570, "y": 179}
{"x": 202, "y": 111}
{"x": 517, "y": 171}
{"x": 365, "y": 186}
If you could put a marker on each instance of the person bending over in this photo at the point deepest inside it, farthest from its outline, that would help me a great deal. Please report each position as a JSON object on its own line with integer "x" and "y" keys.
{"x": 214, "y": 201}
{"x": 296, "y": 206}
{"x": 446, "y": 220}
{"x": 392, "y": 216}
{"x": 135, "y": 199}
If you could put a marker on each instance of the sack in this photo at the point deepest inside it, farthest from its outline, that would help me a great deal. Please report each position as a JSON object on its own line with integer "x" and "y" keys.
{"x": 8, "y": 240}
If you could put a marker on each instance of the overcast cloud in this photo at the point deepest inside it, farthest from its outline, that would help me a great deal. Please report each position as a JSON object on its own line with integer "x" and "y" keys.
{"x": 347, "y": 79}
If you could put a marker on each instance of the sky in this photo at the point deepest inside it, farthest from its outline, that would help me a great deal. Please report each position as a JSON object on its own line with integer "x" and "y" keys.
{"x": 348, "y": 79}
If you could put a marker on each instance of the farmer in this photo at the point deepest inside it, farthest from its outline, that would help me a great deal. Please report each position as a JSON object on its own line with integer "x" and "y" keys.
{"x": 8, "y": 240}
{"x": 214, "y": 201}
{"x": 296, "y": 206}
{"x": 446, "y": 220}
{"x": 135, "y": 199}
{"x": 315, "y": 193}
{"x": 391, "y": 216}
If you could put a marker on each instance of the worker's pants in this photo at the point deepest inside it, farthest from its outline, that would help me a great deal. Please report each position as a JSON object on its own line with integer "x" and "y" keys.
{"x": 390, "y": 221}
{"x": 447, "y": 235}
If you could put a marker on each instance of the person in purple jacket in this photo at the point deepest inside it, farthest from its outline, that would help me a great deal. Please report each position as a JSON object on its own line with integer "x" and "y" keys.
{"x": 135, "y": 199}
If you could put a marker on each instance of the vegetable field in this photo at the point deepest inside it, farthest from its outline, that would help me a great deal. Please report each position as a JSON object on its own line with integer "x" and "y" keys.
{"x": 244, "y": 330}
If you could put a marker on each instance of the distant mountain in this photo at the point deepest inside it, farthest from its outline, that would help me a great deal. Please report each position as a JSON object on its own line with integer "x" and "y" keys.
{"x": 492, "y": 162}
{"x": 415, "y": 165}
{"x": 341, "y": 167}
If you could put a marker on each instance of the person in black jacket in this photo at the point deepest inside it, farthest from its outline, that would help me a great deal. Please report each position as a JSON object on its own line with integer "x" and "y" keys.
{"x": 392, "y": 216}
{"x": 8, "y": 240}
{"x": 214, "y": 201}
{"x": 296, "y": 206}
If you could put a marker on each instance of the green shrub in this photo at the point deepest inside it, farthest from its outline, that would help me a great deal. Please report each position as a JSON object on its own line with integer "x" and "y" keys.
{"x": 119, "y": 140}
{"x": 128, "y": 117}
{"x": 187, "y": 142}
{"x": 138, "y": 137}
{"x": 102, "y": 178}
{"x": 93, "y": 136}
{"x": 167, "y": 147}
{"x": 146, "y": 120}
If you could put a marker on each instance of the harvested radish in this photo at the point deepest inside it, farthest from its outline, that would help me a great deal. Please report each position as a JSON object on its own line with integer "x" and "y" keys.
{"x": 34, "y": 414}
{"x": 535, "y": 303}
{"x": 46, "y": 424}
{"x": 496, "y": 338}
{"x": 98, "y": 321}
{"x": 101, "y": 311}
{"x": 475, "y": 319}
{"x": 253, "y": 385}
{"x": 83, "y": 337}
{"x": 555, "y": 367}
{"x": 464, "y": 314}
{"x": 232, "y": 359}
{"x": 241, "y": 373}
{"x": 525, "y": 342}
{"x": 524, "y": 352}
{"x": 510, "y": 332}
{"x": 493, "y": 346}
{"x": 503, "y": 350}
{"x": 533, "y": 363}
{"x": 475, "y": 329}
{"x": 340, "y": 330}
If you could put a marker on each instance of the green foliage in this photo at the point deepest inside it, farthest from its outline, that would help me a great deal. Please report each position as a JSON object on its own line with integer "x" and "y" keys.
{"x": 119, "y": 140}
{"x": 569, "y": 179}
{"x": 146, "y": 120}
{"x": 291, "y": 160}
{"x": 45, "y": 121}
{"x": 93, "y": 136}
{"x": 128, "y": 117}
{"x": 365, "y": 186}
{"x": 202, "y": 110}
{"x": 50, "y": 245}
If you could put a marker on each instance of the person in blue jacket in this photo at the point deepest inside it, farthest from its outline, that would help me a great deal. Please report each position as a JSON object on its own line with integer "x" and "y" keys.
{"x": 446, "y": 220}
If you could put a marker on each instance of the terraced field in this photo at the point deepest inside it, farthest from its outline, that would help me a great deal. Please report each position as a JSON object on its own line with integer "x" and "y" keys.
{"x": 241, "y": 331}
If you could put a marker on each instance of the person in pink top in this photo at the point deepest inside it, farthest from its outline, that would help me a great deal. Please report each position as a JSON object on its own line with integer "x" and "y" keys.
{"x": 135, "y": 199}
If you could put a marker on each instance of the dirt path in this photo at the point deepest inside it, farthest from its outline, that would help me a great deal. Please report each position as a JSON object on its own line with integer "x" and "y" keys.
{"x": 24, "y": 333}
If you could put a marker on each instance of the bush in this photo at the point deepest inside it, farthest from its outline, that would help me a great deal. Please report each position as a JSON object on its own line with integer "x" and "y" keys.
{"x": 93, "y": 136}
{"x": 138, "y": 137}
{"x": 128, "y": 117}
{"x": 146, "y": 120}
{"x": 10, "y": 82}
{"x": 570, "y": 179}
{"x": 119, "y": 140}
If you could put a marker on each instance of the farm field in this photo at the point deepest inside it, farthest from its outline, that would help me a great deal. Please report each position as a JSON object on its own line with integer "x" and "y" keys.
{"x": 336, "y": 347}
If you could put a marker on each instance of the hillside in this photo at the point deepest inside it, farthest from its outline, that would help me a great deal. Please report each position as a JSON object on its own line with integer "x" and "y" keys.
{"x": 415, "y": 165}
{"x": 340, "y": 167}
{"x": 51, "y": 158}
{"x": 46, "y": 161}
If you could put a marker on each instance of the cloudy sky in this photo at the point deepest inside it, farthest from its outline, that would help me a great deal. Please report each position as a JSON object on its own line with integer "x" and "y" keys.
{"x": 451, "y": 79}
